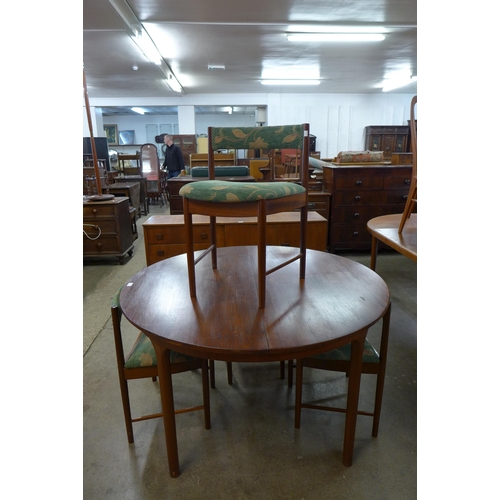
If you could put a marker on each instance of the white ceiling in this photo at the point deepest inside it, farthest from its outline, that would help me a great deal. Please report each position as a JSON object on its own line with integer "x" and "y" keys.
{"x": 245, "y": 37}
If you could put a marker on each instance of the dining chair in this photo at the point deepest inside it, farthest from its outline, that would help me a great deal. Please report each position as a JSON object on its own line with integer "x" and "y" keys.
{"x": 216, "y": 198}
{"x": 374, "y": 362}
{"x": 412, "y": 195}
{"x": 141, "y": 363}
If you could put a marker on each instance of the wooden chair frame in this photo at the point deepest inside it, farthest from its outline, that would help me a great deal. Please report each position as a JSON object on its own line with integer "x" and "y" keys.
{"x": 217, "y": 139}
{"x": 126, "y": 374}
{"x": 343, "y": 366}
{"x": 412, "y": 195}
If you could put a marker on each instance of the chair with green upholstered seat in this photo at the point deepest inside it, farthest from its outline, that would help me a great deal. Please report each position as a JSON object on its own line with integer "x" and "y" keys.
{"x": 374, "y": 362}
{"x": 141, "y": 363}
{"x": 254, "y": 199}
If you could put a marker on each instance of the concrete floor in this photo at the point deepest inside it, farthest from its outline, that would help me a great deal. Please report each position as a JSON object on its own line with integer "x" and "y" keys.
{"x": 253, "y": 450}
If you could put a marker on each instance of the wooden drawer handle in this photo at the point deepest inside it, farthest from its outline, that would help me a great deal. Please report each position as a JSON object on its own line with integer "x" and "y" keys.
{"x": 358, "y": 183}
{"x": 204, "y": 236}
{"x": 356, "y": 214}
{"x": 407, "y": 181}
{"x": 159, "y": 236}
{"x": 357, "y": 198}
{"x": 94, "y": 210}
{"x": 160, "y": 253}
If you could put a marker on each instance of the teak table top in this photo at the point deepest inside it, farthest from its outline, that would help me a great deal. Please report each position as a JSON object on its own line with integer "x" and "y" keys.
{"x": 385, "y": 228}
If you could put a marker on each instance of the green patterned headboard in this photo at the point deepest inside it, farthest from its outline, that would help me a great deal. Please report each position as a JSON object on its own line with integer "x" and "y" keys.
{"x": 276, "y": 137}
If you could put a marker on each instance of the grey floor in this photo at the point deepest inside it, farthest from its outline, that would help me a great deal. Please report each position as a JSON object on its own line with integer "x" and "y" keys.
{"x": 253, "y": 450}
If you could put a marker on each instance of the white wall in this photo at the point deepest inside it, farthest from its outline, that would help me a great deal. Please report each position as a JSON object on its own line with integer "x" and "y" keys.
{"x": 337, "y": 120}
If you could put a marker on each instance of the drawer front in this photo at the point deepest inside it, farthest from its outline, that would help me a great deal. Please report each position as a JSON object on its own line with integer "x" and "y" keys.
{"x": 364, "y": 198}
{"x": 104, "y": 245}
{"x": 356, "y": 234}
{"x": 98, "y": 211}
{"x": 401, "y": 181}
{"x": 356, "y": 215}
{"x": 176, "y": 234}
{"x": 155, "y": 253}
{"x": 285, "y": 234}
{"x": 106, "y": 227}
{"x": 359, "y": 181}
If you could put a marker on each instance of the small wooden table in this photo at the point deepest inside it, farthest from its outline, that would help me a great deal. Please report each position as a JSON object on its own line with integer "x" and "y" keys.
{"x": 335, "y": 305}
{"x": 385, "y": 229}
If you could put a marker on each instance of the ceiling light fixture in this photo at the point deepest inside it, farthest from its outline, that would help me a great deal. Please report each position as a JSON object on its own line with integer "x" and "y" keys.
{"x": 138, "y": 110}
{"x": 290, "y": 82}
{"x": 396, "y": 83}
{"x": 148, "y": 48}
{"x": 335, "y": 37}
{"x": 145, "y": 43}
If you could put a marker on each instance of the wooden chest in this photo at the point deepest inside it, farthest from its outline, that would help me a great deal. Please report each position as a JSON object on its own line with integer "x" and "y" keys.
{"x": 107, "y": 229}
{"x": 360, "y": 193}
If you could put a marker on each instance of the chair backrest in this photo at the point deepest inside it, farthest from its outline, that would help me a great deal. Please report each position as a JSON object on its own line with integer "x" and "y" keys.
{"x": 149, "y": 159}
{"x": 413, "y": 132}
{"x": 272, "y": 137}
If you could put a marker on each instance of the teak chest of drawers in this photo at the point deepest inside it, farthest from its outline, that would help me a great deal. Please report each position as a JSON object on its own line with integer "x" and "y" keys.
{"x": 107, "y": 229}
{"x": 360, "y": 193}
{"x": 164, "y": 235}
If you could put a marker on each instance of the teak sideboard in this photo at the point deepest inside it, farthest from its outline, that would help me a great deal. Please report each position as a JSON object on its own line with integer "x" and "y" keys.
{"x": 164, "y": 235}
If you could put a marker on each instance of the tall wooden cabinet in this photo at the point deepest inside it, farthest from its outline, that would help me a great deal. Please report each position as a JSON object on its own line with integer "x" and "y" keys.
{"x": 389, "y": 139}
{"x": 360, "y": 193}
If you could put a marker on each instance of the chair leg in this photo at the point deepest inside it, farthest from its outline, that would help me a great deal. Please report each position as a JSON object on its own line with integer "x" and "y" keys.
{"x": 212, "y": 374}
{"x": 126, "y": 409}
{"x": 298, "y": 393}
{"x": 381, "y": 372}
{"x": 229, "y": 366}
{"x": 290, "y": 373}
{"x": 206, "y": 393}
{"x": 261, "y": 257}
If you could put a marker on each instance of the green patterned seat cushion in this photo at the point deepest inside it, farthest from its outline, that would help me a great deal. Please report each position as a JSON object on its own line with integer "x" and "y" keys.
{"x": 237, "y": 192}
{"x": 143, "y": 354}
{"x": 370, "y": 355}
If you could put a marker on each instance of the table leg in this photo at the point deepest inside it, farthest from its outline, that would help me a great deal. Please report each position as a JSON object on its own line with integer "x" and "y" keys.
{"x": 353, "y": 397}
{"x": 373, "y": 258}
{"x": 168, "y": 410}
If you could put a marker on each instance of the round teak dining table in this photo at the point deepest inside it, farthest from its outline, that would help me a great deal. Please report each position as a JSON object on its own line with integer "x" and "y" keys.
{"x": 334, "y": 305}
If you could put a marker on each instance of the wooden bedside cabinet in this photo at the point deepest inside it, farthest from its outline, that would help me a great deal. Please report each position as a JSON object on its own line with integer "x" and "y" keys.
{"x": 107, "y": 229}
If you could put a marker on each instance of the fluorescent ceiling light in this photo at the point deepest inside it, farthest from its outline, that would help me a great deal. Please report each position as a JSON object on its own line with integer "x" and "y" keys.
{"x": 173, "y": 83}
{"x": 335, "y": 37}
{"x": 127, "y": 14}
{"x": 290, "y": 82}
{"x": 148, "y": 48}
{"x": 397, "y": 83}
{"x": 138, "y": 110}
{"x": 309, "y": 28}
